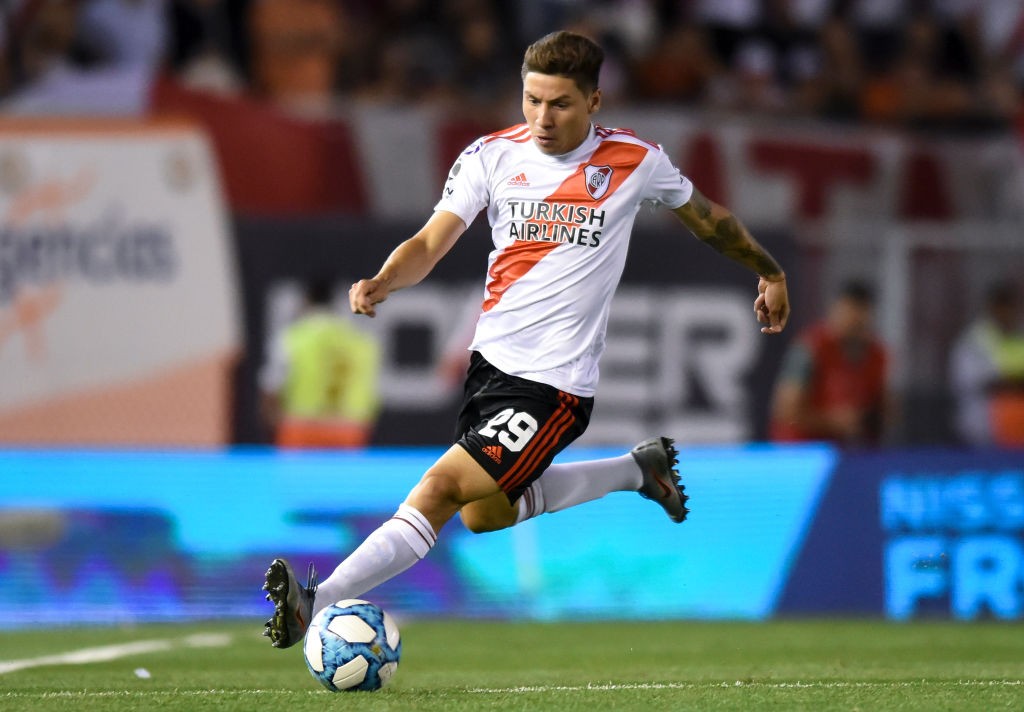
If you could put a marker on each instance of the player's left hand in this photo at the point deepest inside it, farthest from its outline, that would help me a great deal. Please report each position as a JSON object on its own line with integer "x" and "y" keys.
{"x": 772, "y": 305}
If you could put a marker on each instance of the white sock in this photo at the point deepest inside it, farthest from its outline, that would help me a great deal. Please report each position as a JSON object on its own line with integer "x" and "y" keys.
{"x": 564, "y": 486}
{"x": 393, "y": 547}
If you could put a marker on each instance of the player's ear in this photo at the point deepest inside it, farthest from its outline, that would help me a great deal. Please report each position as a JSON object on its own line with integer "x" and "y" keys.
{"x": 594, "y": 101}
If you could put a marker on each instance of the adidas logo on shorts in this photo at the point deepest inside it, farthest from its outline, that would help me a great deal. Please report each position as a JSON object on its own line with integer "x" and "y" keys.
{"x": 494, "y": 452}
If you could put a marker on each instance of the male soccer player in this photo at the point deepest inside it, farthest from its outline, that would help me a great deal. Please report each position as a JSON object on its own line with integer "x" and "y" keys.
{"x": 561, "y": 195}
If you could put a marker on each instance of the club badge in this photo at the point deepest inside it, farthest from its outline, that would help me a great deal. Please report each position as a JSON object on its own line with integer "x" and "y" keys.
{"x": 598, "y": 178}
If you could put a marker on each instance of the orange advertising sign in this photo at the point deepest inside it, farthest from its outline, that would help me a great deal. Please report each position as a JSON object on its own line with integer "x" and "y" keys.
{"x": 118, "y": 314}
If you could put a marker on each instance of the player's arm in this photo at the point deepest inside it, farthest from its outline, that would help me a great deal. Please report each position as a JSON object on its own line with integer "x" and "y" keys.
{"x": 718, "y": 228}
{"x": 409, "y": 263}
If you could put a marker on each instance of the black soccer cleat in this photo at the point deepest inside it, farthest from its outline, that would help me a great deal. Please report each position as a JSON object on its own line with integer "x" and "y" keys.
{"x": 293, "y": 604}
{"x": 657, "y": 459}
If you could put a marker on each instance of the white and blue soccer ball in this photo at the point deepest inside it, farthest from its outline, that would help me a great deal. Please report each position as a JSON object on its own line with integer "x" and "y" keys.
{"x": 352, "y": 645}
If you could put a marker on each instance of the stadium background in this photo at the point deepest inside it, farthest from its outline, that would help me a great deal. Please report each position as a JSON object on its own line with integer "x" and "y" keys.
{"x": 152, "y": 246}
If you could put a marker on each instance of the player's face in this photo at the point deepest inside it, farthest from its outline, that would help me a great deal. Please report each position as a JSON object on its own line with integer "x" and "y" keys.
{"x": 557, "y": 112}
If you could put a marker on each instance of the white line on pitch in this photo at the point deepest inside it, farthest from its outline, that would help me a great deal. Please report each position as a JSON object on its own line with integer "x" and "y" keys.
{"x": 105, "y": 653}
{"x": 614, "y": 687}
{"x": 146, "y": 694}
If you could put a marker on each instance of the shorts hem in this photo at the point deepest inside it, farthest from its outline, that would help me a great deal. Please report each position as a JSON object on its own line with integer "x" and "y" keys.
{"x": 482, "y": 460}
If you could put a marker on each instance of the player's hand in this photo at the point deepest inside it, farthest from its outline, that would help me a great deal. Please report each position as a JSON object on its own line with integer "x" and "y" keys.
{"x": 772, "y": 305}
{"x": 366, "y": 294}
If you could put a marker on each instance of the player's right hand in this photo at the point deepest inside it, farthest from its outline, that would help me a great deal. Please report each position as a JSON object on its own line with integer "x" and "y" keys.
{"x": 365, "y": 294}
{"x": 772, "y": 305}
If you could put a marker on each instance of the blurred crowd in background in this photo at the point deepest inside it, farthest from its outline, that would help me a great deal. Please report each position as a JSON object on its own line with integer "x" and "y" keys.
{"x": 950, "y": 67}
{"x": 940, "y": 64}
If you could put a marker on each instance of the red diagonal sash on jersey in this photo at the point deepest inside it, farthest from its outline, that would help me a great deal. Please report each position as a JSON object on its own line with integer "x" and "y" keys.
{"x": 519, "y": 258}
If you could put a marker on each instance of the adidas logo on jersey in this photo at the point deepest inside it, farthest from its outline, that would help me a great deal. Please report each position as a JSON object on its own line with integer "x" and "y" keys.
{"x": 519, "y": 180}
{"x": 494, "y": 452}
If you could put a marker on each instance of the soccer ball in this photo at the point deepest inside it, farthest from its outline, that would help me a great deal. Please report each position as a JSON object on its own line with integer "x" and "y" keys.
{"x": 352, "y": 645}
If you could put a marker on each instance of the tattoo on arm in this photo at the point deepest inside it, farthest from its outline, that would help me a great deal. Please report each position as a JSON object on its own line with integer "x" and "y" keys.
{"x": 732, "y": 240}
{"x": 725, "y": 234}
{"x": 700, "y": 204}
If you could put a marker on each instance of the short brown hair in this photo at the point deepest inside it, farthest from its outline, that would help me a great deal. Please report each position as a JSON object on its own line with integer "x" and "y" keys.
{"x": 566, "y": 54}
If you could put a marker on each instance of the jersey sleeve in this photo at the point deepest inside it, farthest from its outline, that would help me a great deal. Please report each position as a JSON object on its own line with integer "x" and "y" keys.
{"x": 465, "y": 191}
{"x": 667, "y": 186}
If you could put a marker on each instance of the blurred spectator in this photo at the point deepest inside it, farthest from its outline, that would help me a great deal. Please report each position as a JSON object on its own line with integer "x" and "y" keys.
{"x": 987, "y": 372}
{"x": 929, "y": 73}
{"x": 296, "y": 45}
{"x": 538, "y": 17}
{"x": 772, "y": 61}
{"x": 207, "y": 47}
{"x": 54, "y": 73}
{"x": 484, "y": 60}
{"x": 728, "y": 23}
{"x": 932, "y": 64}
{"x": 755, "y": 73}
{"x": 625, "y": 29}
{"x": 794, "y": 42}
{"x": 124, "y": 33}
{"x": 416, "y": 54}
{"x": 994, "y": 33}
{"x": 320, "y": 381}
{"x": 680, "y": 67}
{"x": 834, "y": 90}
{"x": 898, "y": 55}
{"x": 833, "y": 384}
{"x": 5, "y": 47}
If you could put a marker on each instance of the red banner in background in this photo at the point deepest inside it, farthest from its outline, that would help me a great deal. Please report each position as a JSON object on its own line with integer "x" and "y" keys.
{"x": 390, "y": 162}
{"x": 271, "y": 163}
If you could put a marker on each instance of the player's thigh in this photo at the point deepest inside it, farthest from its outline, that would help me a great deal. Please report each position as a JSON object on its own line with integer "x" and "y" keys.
{"x": 455, "y": 480}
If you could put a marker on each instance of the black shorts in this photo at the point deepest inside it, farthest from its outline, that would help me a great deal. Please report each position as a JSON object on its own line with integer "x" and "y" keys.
{"x": 514, "y": 427}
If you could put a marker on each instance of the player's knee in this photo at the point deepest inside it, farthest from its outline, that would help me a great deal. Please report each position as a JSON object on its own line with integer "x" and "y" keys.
{"x": 437, "y": 490}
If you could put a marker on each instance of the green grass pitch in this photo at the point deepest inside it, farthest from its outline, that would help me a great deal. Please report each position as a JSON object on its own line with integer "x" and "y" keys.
{"x": 460, "y": 665}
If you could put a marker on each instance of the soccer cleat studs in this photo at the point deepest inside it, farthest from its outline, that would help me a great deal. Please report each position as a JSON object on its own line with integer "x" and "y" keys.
{"x": 657, "y": 459}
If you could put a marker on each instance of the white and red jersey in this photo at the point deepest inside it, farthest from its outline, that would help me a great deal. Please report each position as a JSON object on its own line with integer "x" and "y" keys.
{"x": 561, "y": 227}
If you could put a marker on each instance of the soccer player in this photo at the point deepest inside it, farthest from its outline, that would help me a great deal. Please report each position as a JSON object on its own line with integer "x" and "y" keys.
{"x": 561, "y": 195}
